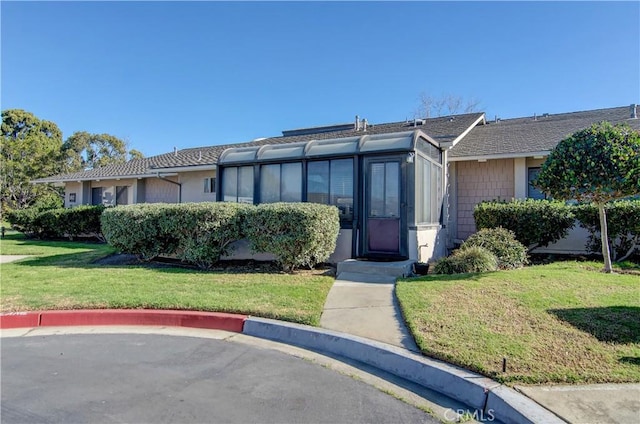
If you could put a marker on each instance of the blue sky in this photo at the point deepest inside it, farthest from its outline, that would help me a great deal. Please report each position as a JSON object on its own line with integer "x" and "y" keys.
{"x": 165, "y": 74}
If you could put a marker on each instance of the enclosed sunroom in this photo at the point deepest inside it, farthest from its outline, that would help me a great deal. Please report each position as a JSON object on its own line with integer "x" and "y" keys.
{"x": 387, "y": 187}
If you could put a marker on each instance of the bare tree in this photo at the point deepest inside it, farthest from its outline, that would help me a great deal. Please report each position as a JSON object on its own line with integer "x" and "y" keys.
{"x": 446, "y": 104}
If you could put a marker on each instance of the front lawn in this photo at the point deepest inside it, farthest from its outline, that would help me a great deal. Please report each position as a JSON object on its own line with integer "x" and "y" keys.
{"x": 559, "y": 323}
{"x": 63, "y": 276}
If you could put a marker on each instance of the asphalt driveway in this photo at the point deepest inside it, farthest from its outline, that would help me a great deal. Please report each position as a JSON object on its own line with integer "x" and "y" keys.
{"x": 162, "y": 379}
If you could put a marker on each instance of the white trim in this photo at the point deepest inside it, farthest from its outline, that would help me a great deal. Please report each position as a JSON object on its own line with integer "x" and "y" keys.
{"x": 465, "y": 132}
{"x": 498, "y": 156}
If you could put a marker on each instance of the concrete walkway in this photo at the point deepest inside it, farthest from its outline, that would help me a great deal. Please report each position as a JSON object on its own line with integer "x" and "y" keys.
{"x": 5, "y": 259}
{"x": 365, "y": 305}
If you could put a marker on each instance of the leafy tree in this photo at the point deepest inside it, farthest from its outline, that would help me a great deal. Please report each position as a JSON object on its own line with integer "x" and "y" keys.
{"x": 135, "y": 154}
{"x": 86, "y": 151}
{"x": 30, "y": 150}
{"x": 596, "y": 165}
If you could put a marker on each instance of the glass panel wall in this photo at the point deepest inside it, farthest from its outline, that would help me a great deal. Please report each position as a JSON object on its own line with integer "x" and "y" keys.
{"x": 237, "y": 184}
{"x": 281, "y": 182}
{"x": 331, "y": 182}
{"x": 428, "y": 191}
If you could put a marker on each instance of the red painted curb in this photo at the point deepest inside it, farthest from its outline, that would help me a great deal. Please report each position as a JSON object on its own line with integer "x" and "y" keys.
{"x": 196, "y": 319}
{"x": 20, "y": 319}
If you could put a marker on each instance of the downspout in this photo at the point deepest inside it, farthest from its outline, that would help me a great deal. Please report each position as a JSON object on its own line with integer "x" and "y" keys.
{"x": 172, "y": 182}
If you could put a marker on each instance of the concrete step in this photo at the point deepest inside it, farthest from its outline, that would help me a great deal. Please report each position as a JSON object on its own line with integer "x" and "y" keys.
{"x": 346, "y": 278}
{"x": 393, "y": 269}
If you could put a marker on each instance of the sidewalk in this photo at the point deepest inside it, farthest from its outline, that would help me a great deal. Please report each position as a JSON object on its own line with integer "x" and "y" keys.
{"x": 366, "y": 306}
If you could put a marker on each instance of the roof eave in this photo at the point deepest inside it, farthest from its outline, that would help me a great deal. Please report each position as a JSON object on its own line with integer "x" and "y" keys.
{"x": 498, "y": 156}
{"x": 101, "y": 178}
{"x": 188, "y": 168}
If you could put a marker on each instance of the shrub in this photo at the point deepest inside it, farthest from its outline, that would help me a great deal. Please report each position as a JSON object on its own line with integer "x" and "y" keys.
{"x": 535, "y": 223}
{"x": 298, "y": 234}
{"x": 205, "y": 230}
{"x": 471, "y": 259}
{"x": 623, "y": 223}
{"x": 25, "y": 221}
{"x": 502, "y": 243}
{"x": 138, "y": 229}
{"x": 56, "y": 223}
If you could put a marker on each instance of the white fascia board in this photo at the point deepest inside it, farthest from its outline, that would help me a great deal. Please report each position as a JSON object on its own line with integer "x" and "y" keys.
{"x": 498, "y": 156}
{"x": 465, "y": 132}
{"x": 164, "y": 171}
{"x": 422, "y": 134}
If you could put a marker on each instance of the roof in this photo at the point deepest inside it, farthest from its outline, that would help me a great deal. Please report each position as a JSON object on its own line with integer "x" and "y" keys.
{"x": 469, "y": 134}
{"x": 525, "y": 136}
{"x": 441, "y": 129}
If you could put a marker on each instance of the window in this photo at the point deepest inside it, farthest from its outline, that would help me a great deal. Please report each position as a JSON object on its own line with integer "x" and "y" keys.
{"x": 72, "y": 197}
{"x": 237, "y": 184}
{"x": 428, "y": 191}
{"x": 122, "y": 195}
{"x": 331, "y": 182}
{"x": 281, "y": 182}
{"x": 209, "y": 185}
{"x": 533, "y": 192}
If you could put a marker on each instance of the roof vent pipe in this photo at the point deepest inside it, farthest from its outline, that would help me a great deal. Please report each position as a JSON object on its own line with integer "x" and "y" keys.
{"x": 632, "y": 108}
{"x": 364, "y": 124}
{"x": 535, "y": 117}
{"x": 357, "y": 126}
{"x": 175, "y": 150}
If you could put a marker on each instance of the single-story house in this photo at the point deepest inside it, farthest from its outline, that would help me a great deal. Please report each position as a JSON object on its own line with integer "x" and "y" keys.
{"x": 404, "y": 189}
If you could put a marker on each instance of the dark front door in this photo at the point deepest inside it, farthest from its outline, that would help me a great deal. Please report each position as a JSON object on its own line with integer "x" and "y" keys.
{"x": 96, "y": 196}
{"x": 383, "y": 221}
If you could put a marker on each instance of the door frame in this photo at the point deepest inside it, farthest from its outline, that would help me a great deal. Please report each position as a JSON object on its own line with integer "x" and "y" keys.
{"x": 365, "y": 185}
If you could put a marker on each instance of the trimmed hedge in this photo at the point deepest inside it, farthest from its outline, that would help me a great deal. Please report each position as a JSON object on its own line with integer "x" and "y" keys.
{"x": 502, "y": 243}
{"x": 470, "y": 259}
{"x": 623, "y": 224}
{"x": 535, "y": 223}
{"x": 298, "y": 234}
{"x": 58, "y": 223}
{"x": 138, "y": 229}
{"x": 205, "y": 230}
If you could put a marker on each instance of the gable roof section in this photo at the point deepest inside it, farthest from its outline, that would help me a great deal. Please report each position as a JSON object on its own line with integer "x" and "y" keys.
{"x": 440, "y": 130}
{"x": 523, "y": 137}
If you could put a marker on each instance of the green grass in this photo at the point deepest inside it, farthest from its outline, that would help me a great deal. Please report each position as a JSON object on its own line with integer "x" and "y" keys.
{"x": 62, "y": 276}
{"x": 564, "y": 322}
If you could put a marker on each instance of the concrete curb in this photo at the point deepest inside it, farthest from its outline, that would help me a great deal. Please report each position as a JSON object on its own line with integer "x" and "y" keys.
{"x": 490, "y": 399}
{"x": 208, "y": 320}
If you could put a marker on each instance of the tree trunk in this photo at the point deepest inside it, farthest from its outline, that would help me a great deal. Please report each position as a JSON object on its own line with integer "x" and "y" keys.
{"x": 604, "y": 236}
